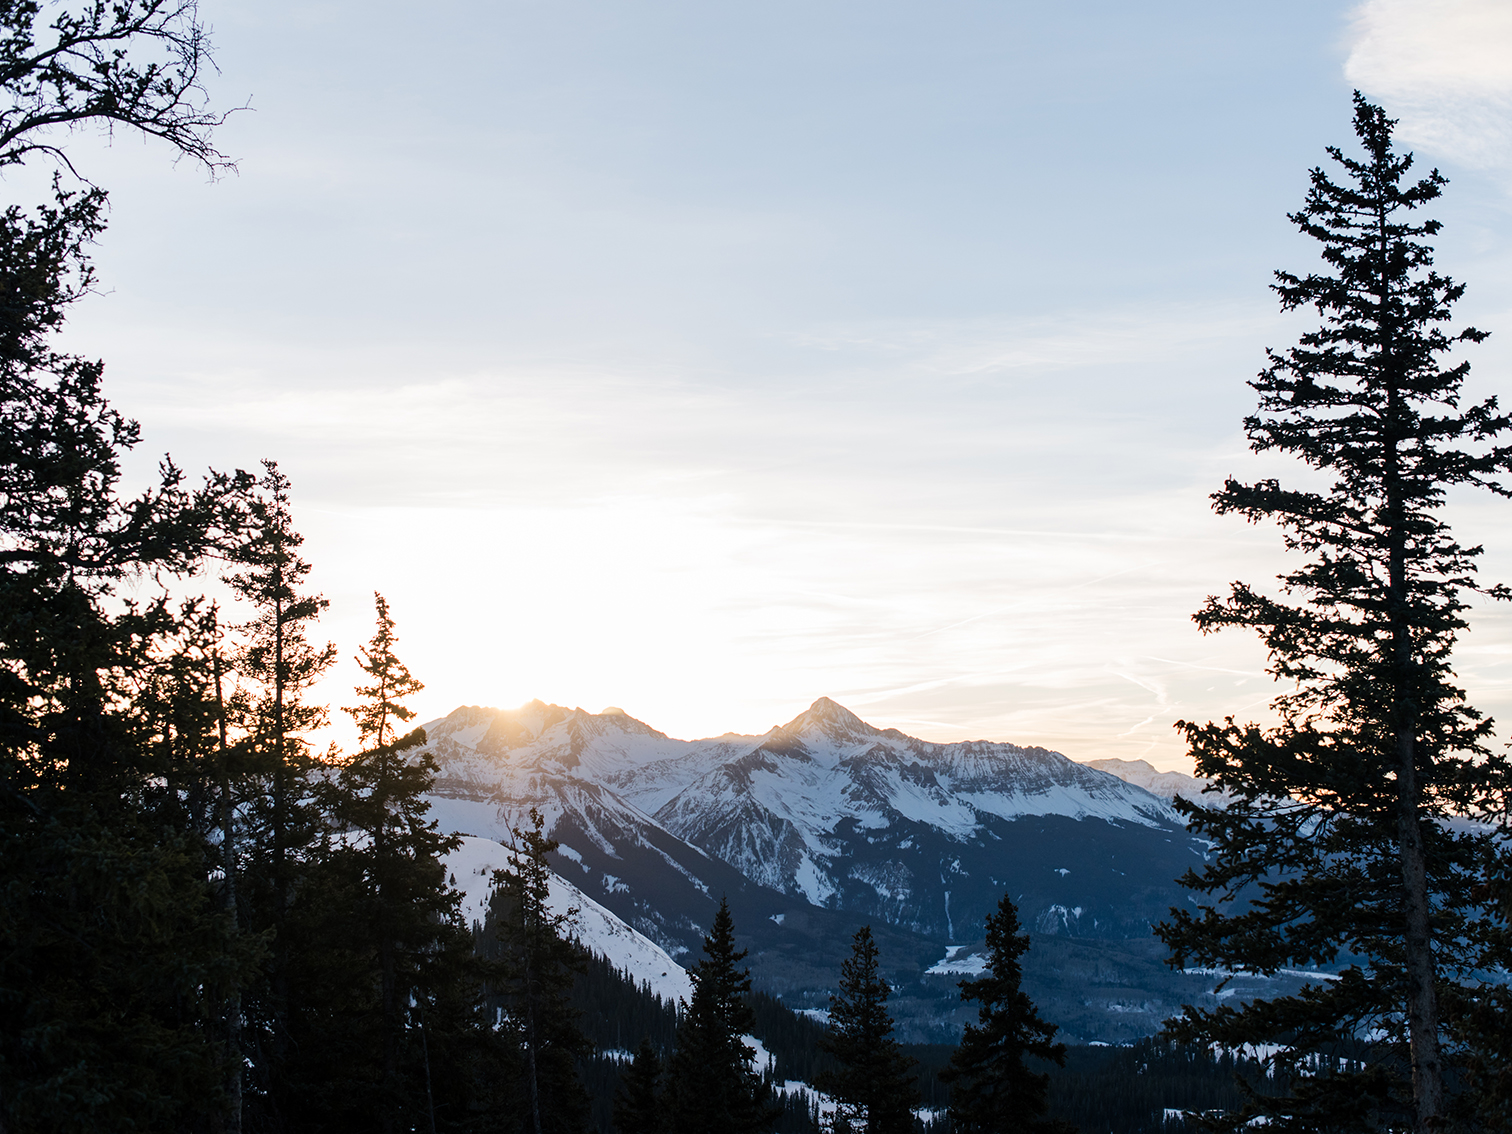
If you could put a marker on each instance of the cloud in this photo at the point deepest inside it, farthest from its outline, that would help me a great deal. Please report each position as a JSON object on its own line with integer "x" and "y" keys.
{"x": 1444, "y": 67}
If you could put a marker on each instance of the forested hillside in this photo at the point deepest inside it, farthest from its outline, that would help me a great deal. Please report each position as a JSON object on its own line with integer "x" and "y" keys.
{"x": 1128, "y": 1089}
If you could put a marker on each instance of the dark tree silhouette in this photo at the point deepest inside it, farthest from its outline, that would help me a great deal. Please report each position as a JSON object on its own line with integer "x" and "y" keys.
{"x": 1340, "y": 829}
{"x": 712, "y": 1087}
{"x": 401, "y": 907}
{"x": 637, "y": 1103}
{"x": 992, "y": 1089}
{"x": 383, "y": 709}
{"x": 137, "y": 64}
{"x": 538, "y": 963}
{"x": 279, "y": 657}
{"x": 874, "y": 1087}
{"x": 114, "y": 949}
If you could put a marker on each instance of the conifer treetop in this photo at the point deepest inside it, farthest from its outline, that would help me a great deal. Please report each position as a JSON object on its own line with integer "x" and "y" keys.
{"x": 391, "y": 682}
{"x": 1341, "y": 841}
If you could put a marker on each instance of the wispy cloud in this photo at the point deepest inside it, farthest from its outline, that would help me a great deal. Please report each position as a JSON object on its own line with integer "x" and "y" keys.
{"x": 1443, "y": 66}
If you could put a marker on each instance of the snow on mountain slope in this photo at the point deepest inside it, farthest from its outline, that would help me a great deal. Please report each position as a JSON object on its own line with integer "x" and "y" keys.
{"x": 472, "y": 866}
{"x": 1167, "y": 785}
{"x": 825, "y": 808}
{"x": 827, "y": 767}
{"x": 871, "y": 820}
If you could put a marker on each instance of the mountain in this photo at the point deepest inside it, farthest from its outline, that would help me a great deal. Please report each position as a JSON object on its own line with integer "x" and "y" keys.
{"x": 826, "y": 823}
{"x": 1167, "y": 785}
{"x": 496, "y": 766}
{"x": 827, "y": 809}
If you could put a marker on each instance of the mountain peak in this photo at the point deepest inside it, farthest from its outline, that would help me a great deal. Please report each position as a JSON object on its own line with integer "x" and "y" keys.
{"x": 831, "y": 718}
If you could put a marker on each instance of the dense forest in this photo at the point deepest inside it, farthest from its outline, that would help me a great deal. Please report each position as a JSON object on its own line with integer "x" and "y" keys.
{"x": 1132, "y": 1089}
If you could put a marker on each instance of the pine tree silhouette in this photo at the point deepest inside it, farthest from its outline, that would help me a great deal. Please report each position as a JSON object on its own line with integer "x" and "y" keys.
{"x": 1344, "y": 826}
{"x": 537, "y": 963}
{"x": 712, "y": 1088}
{"x": 992, "y": 1089}
{"x": 638, "y": 1104}
{"x": 874, "y": 1087}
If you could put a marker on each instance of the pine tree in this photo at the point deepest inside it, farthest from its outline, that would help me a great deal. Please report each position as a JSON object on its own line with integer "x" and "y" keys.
{"x": 993, "y": 1091}
{"x": 383, "y": 708}
{"x": 186, "y": 720}
{"x": 537, "y": 963}
{"x": 874, "y": 1087}
{"x": 402, "y": 907}
{"x": 113, "y": 949}
{"x": 712, "y": 1088}
{"x": 637, "y": 1103}
{"x": 288, "y": 831}
{"x": 1341, "y": 845}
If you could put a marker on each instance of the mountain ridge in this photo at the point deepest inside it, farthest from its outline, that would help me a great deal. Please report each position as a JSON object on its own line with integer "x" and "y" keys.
{"x": 825, "y": 823}
{"x": 825, "y": 807}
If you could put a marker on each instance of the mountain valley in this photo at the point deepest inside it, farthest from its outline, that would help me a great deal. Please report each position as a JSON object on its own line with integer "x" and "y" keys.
{"x": 827, "y": 823}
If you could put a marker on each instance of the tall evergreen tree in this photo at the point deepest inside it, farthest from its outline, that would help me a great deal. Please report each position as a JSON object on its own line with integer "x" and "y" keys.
{"x": 712, "y": 1088}
{"x": 110, "y": 921}
{"x": 287, "y": 827}
{"x": 186, "y": 717}
{"x": 114, "y": 954}
{"x": 536, "y": 964}
{"x": 402, "y": 908}
{"x": 873, "y": 1088}
{"x": 1340, "y": 845}
{"x": 638, "y": 1103}
{"x": 992, "y": 1089}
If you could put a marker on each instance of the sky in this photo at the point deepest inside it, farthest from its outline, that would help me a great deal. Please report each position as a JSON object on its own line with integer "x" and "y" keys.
{"x": 703, "y": 360}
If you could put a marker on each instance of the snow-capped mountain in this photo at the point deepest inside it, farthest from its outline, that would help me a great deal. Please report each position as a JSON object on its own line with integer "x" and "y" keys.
{"x": 824, "y": 811}
{"x": 1167, "y": 785}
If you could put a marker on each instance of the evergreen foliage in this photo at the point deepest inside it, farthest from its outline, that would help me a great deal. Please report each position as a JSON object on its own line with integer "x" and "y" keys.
{"x": 712, "y": 1088}
{"x": 1142, "y": 1087}
{"x": 992, "y": 1089}
{"x": 383, "y": 708}
{"x": 637, "y": 1102}
{"x": 287, "y": 832}
{"x": 873, "y": 1085}
{"x": 615, "y": 1008}
{"x": 1342, "y": 844}
{"x": 115, "y": 957}
{"x": 535, "y": 964}
{"x": 793, "y": 1041}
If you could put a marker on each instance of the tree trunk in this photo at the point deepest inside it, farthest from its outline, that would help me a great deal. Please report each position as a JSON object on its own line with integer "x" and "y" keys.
{"x": 1422, "y": 995}
{"x": 1422, "y": 973}
{"x": 388, "y": 990}
{"x": 280, "y": 980}
{"x": 228, "y": 865}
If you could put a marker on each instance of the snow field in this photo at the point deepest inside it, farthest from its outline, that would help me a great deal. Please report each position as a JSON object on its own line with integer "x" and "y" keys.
{"x": 473, "y": 864}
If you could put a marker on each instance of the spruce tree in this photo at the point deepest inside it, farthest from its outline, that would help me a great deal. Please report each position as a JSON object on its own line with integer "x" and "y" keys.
{"x": 992, "y": 1089}
{"x": 288, "y": 831}
{"x": 712, "y": 1088}
{"x": 402, "y": 907}
{"x": 383, "y": 708}
{"x": 114, "y": 951}
{"x": 536, "y": 964}
{"x": 873, "y": 1088}
{"x": 637, "y": 1102}
{"x": 1344, "y": 844}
